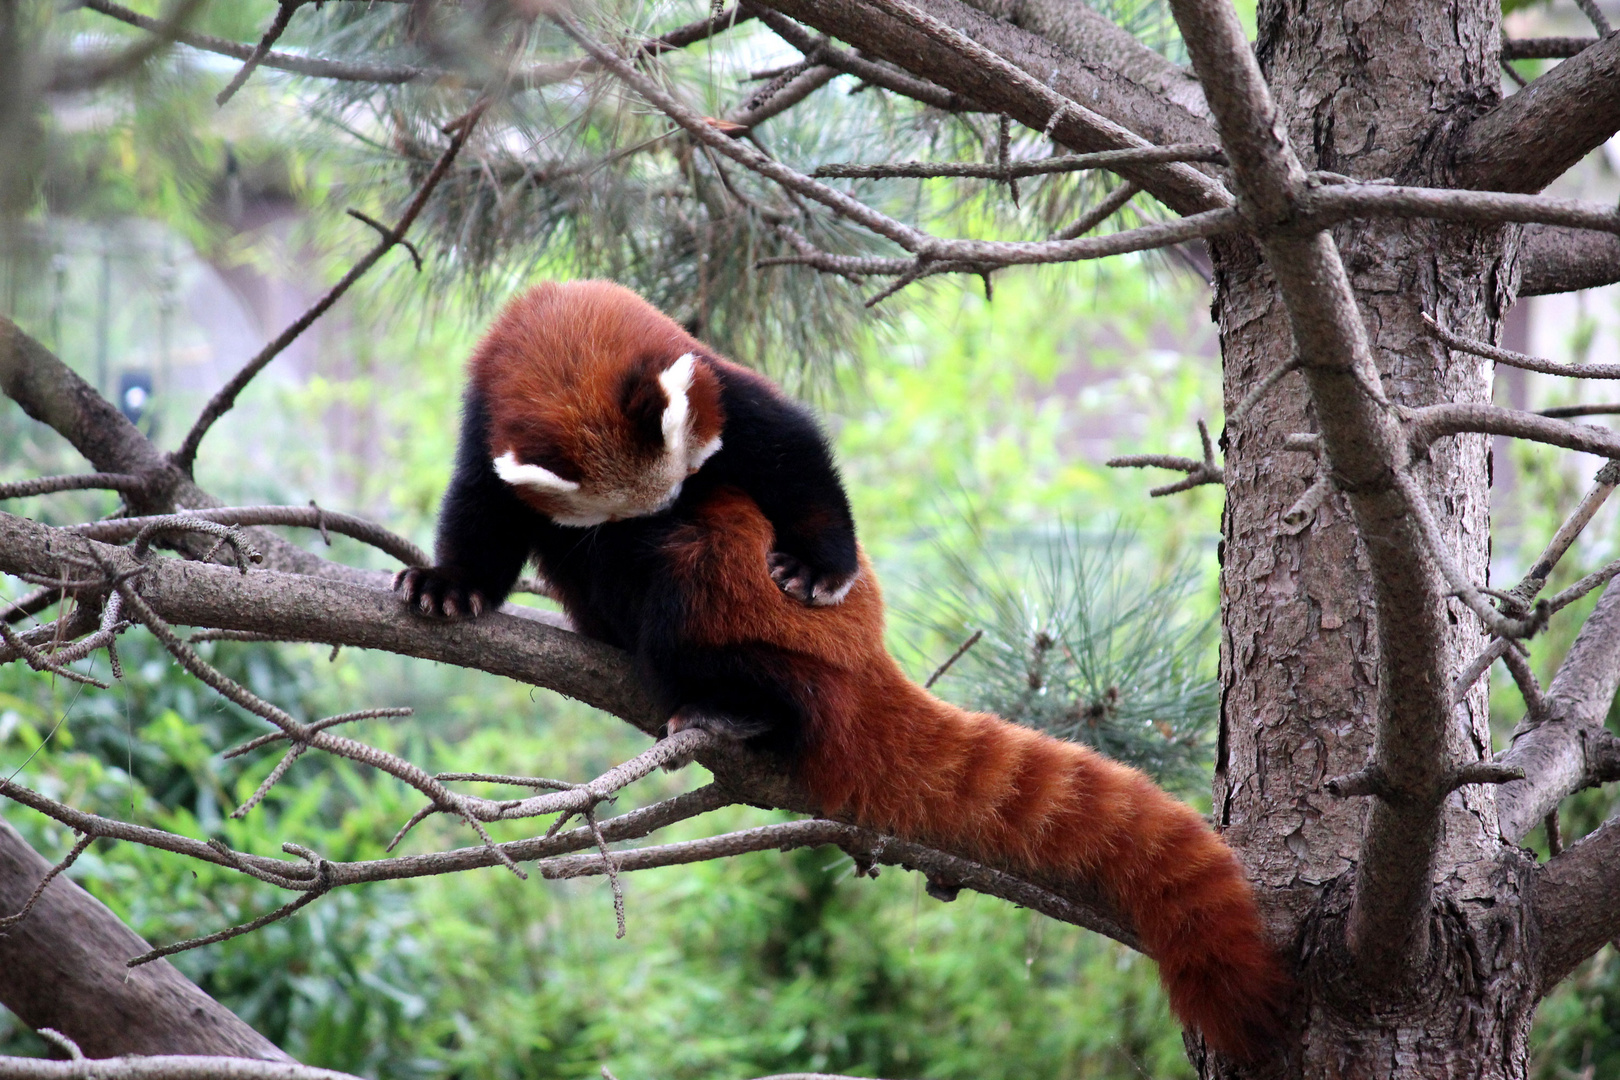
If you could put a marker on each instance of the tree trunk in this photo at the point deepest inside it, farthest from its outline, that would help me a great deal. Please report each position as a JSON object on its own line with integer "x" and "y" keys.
{"x": 1370, "y": 91}
{"x": 63, "y": 967}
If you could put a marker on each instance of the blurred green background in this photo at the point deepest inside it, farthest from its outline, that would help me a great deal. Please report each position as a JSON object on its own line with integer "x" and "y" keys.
{"x": 161, "y": 240}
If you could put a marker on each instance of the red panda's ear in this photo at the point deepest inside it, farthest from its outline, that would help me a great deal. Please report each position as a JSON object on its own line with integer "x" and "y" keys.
{"x": 642, "y": 401}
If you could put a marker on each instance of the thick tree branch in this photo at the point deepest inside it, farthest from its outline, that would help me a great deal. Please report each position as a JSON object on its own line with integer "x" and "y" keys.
{"x": 63, "y": 968}
{"x": 876, "y": 74}
{"x": 285, "y": 605}
{"x": 1389, "y": 916}
{"x": 1573, "y": 898}
{"x": 1330, "y": 204}
{"x": 1572, "y": 750}
{"x": 1438, "y": 421}
{"x": 1098, "y": 43}
{"x": 1533, "y": 137}
{"x": 1545, "y": 48}
{"x": 1553, "y": 259}
{"x": 1129, "y": 108}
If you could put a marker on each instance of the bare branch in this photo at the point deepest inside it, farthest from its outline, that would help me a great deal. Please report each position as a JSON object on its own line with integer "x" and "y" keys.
{"x": 1533, "y": 137}
{"x": 1136, "y": 112}
{"x": 163, "y": 1067}
{"x": 1557, "y": 260}
{"x": 867, "y": 71}
{"x": 1584, "y": 586}
{"x": 1574, "y": 904}
{"x": 63, "y": 968}
{"x": 278, "y": 26}
{"x": 336, "y": 613}
{"x": 1537, "y": 711}
{"x": 1388, "y": 923}
{"x": 90, "y": 72}
{"x": 222, "y": 401}
{"x": 1600, "y": 21}
{"x": 1478, "y": 666}
{"x": 1440, "y": 421}
{"x": 1110, "y": 204}
{"x": 8, "y": 921}
{"x": 1067, "y": 163}
{"x": 1565, "y": 412}
{"x": 532, "y": 78}
{"x": 950, "y": 661}
{"x": 1299, "y": 515}
{"x": 1329, "y": 204}
{"x": 40, "y": 662}
{"x": 1545, "y": 48}
{"x": 1198, "y": 472}
{"x": 1521, "y": 360}
{"x": 1535, "y": 578}
{"x": 120, "y": 530}
{"x": 46, "y": 485}
{"x": 1571, "y": 749}
{"x": 264, "y": 920}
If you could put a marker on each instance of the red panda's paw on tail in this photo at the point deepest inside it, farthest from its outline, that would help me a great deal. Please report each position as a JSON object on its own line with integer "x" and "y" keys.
{"x": 805, "y": 584}
{"x": 438, "y": 592}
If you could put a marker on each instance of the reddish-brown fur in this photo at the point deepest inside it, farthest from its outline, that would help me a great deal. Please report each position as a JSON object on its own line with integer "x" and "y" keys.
{"x": 553, "y": 369}
{"x": 885, "y": 753}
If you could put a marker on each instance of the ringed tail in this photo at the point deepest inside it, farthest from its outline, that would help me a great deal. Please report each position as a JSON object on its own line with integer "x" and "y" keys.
{"x": 905, "y": 762}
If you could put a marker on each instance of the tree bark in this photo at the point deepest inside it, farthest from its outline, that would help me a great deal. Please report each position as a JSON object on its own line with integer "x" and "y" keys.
{"x": 63, "y": 967}
{"x": 1366, "y": 91}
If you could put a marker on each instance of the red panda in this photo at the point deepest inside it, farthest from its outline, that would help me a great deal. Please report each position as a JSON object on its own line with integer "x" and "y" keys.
{"x": 877, "y": 749}
{"x": 588, "y": 445}
{"x": 585, "y": 405}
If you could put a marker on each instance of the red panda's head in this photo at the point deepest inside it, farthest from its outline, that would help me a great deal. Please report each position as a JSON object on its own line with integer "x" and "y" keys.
{"x": 599, "y": 405}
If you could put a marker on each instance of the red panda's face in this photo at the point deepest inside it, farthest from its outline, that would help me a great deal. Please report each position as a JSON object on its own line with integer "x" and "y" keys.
{"x": 627, "y": 462}
{"x": 599, "y": 405}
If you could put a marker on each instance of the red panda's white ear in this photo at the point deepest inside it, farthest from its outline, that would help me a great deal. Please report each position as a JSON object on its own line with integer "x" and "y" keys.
{"x": 514, "y": 472}
{"x": 676, "y": 381}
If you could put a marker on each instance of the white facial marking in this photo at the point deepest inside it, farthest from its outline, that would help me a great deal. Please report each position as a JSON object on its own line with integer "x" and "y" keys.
{"x": 514, "y": 472}
{"x": 695, "y": 460}
{"x": 676, "y": 381}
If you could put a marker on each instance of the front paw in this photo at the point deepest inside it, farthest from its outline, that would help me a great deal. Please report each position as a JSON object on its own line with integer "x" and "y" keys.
{"x": 801, "y": 581}
{"x": 437, "y": 592}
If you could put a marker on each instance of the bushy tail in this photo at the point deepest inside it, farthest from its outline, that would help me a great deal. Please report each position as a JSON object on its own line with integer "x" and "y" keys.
{"x": 908, "y": 763}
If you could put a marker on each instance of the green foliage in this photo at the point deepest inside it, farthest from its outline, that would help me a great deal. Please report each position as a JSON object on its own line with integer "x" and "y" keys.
{"x": 1086, "y": 646}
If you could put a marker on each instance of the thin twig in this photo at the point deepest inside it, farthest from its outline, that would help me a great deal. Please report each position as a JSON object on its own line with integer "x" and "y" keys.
{"x": 47, "y": 485}
{"x": 961, "y": 651}
{"x": 1564, "y": 412}
{"x": 278, "y": 26}
{"x": 1600, "y": 21}
{"x": 50, "y": 875}
{"x": 1545, "y": 48}
{"x": 612, "y": 871}
{"x": 1585, "y": 585}
{"x": 1462, "y": 588}
{"x": 222, "y": 401}
{"x": 1111, "y": 204}
{"x": 1198, "y": 472}
{"x": 307, "y": 898}
{"x": 120, "y": 530}
{"x": 1518, "y": 359}
{"x": 1262, "y": 388}
{"x": 1537, "y": 709}
{"x": 1104, "y": 159}
{"x": 1478, "y": 666}
{"x": 42, "y": 663}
